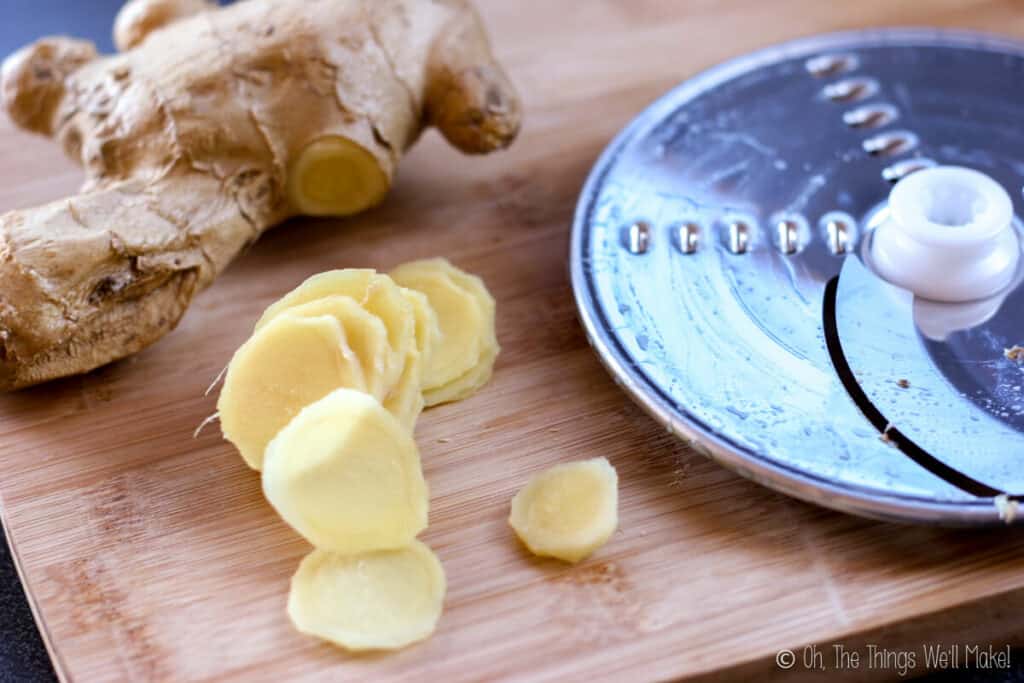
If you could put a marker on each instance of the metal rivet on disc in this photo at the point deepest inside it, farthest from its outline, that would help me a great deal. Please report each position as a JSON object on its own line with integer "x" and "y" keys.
{"x": 901, "y": 169}
{"x": 850, "y": 89}
{"x": 639, "y": 237}
{"x": 870, "y": 116}
{"x": 830, "y": 65}
{"x": 889, "y": 144}
{"x": 838, "y": 235}
{"x": 788, "y": 232}
{"x": 689, "y": 234}
{"x": 739, "y": 236}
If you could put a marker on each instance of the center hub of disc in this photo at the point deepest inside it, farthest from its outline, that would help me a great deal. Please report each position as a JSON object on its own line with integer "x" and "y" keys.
{"x": 948, "y": 236}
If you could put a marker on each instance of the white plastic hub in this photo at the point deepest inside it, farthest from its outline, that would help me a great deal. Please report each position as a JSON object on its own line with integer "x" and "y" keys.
{"x": 948, "y": 236}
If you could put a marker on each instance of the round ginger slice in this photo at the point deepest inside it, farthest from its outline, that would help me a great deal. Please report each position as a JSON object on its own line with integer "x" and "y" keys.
{"x": 381, "y": 600}
{"x": 282, "y": 368}
{"x": 465, "y": 385}
{"x": 405, "y": 401}
{"x": 346, "y": 475}
{"x": 459, "y": 316}
{"x": 428, "y": 329}
{"x": 365, "y": 333}
{"x": 569, "y": 510}
{"x": 375, "y": 292}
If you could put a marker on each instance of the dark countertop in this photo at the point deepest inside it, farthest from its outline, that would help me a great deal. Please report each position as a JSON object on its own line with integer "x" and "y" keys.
{"x": 22, "y": 653}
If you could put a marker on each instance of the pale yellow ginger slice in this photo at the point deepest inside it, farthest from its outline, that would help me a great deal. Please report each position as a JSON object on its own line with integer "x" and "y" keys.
{"x": 365, "y": 333}
{"x": 479, "y": 375}
{"x": 286, "y": 365}
{"x": 375, "y": 292}
{"x": 428, "y": 329}
{"x": 405, "y": 401}
{"x": 381, "y": 600}
{"x": 463, "y": 321}
{"x": 346, "y": 475}
{"x": 569, "y": 510}
{"x": 466, "y": 385}
{"x": 476, "y": 287}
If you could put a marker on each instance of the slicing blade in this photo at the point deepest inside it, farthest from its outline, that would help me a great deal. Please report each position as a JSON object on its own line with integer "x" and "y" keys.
{"x": 780, "y": 162}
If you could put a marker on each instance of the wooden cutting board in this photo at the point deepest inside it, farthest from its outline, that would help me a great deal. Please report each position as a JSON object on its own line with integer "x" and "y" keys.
{"x": 150, "y": 555}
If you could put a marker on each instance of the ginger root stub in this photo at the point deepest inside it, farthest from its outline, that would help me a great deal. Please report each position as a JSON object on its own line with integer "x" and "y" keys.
{"x": 569, "y": 510}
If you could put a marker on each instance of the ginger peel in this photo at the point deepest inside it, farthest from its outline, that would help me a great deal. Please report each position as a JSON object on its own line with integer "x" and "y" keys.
{"x": 215, "y": 125}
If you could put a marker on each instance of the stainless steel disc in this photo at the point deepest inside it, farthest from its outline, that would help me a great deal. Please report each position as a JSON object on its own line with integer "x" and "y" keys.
{"x": 718, "y": 264}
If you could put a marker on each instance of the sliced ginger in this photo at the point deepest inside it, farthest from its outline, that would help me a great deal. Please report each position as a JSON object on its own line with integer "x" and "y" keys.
{"x": 427, "y": 327}
{"x": 286, "y": 365}
{"x": 346, "y": 475}
{"x": 378, "y": 600}
{"x": 567, "y": 511}
{"x": 406, "y": 400}
{"x": 375, "y": 292}
{"x": 466, "y": 384}
{"x": 467, "y": 348}
{"x": 324, "y": 398}
{"x": 365, "y": 333}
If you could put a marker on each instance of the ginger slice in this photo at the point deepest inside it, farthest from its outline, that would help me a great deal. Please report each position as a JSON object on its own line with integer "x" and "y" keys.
{"x": 380, "y": 600}
{"x": 334, "y": 176}
{"x": 567, "y": 511}
{"x": 427, "y": 327}
{"x": 375, "y": 292}
{"x": 406, "y": 399}
{"x": 286, "y": 365}
{"x": 465, "y": 385}
{"x": 346, "y": 475}
{"x": 460, "y": 317}
{"x": 365, "y": 333}
{"x": 474, "y": 377}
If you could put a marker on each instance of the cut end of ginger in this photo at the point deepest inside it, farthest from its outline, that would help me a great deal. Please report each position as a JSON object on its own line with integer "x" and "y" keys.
{"x": 334, "y": 176}
{"x": 382, "y": 600}
{"x": 569, "y": 510}
{"x": 346, "y": 475}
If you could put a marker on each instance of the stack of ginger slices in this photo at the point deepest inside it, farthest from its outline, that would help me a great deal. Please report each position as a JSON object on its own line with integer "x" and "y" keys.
{"x": 323, "y": 399}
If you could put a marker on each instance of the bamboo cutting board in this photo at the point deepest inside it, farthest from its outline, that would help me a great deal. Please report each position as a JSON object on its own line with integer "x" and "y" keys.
{"x": 150, "y": 555}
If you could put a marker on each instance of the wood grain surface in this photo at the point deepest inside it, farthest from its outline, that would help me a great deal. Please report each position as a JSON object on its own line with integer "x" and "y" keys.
{"x": 151, "y": 555}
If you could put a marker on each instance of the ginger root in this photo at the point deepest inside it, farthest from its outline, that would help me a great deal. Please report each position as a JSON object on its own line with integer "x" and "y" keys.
{"x": 214, "y": 126}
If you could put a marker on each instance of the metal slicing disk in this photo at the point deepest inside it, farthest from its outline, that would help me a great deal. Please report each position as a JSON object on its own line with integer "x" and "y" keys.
{"x": 721, "y": 262}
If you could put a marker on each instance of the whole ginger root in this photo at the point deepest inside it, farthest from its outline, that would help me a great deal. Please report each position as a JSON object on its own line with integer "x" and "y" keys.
{"x": 214, "y": 125}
